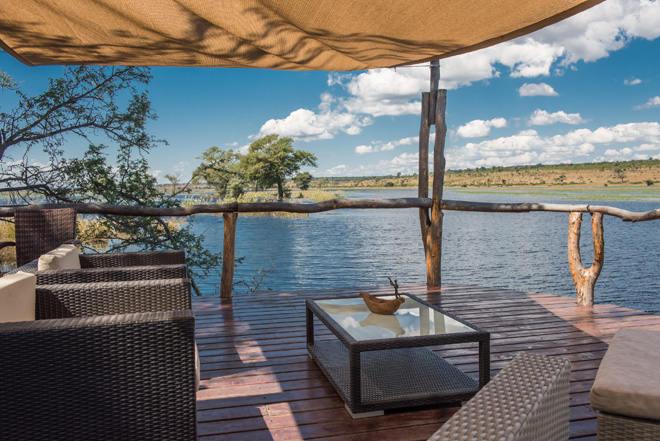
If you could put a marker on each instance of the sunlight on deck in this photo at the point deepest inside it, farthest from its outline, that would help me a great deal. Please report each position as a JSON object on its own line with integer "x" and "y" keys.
{"x": 259, "y": 384}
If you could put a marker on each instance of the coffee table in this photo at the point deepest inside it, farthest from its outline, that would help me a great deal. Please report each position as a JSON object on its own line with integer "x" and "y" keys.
{"x": 381, "y": 362}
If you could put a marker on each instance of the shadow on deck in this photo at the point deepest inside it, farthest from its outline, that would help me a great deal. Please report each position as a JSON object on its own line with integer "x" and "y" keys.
{"x": 258, "y": 383}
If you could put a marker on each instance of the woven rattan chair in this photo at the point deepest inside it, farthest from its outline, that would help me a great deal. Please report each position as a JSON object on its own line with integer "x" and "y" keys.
{"x": 102, "y": 361}
{"x": 528, "y": 400}
{"x": 118, "y": 274}
{"x": 114, "y": 267}
{"x": 40, "y": 230}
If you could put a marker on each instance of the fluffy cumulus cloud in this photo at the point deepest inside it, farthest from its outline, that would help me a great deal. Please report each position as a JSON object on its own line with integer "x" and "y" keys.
{"x": 540, "y": 89}
{"x": 406, "y": 163}
{"x": 652, "y": 102}
{"x": 479, "y": 128}
{"x": 306, "y": 125}
{"x": 379, "y": 146}
{"x": 588, "y": 36}
{"x": 632, "y": 82}
{"x": 543, "y": 118}
{"x": 528, "y": 147}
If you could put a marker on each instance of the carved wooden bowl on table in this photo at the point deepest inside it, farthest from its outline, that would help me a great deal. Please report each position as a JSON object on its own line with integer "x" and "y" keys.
{"x": 381, "y": 306}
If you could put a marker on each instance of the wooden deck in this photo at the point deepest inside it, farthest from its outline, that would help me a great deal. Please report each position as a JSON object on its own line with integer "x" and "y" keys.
{"x": 258, "y": 383}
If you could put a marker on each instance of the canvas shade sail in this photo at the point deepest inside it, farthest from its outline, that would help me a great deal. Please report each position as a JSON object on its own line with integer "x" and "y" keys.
{"x": 333, "y": 35}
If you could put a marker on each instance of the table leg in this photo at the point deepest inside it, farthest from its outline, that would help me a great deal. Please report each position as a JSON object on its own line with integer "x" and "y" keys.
{"x": 484, "y": 363}
{"x": 310, "y": 330}
{"x": 355, "y": 379}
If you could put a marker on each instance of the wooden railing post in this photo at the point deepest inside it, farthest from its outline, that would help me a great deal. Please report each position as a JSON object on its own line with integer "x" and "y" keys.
{"x": 228, "y": 256}
{"x": 434, "y": 106}
{"x": 434, "y": 234}
{"x": 584, "y": 279}
{"x": 423, "y": 180}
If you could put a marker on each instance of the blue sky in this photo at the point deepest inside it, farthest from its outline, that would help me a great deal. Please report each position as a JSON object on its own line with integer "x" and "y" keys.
{"x": 585, "y": 89}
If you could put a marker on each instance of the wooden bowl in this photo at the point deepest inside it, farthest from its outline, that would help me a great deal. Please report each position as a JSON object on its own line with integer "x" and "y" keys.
{"x": 381, "y": 306}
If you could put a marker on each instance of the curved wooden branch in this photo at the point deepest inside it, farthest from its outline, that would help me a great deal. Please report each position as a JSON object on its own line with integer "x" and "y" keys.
{"x": 337, "y": 204}
{"x": 239, "y": 207}
{"x": 585, "y": 279}
{"x": 628, "y": 216}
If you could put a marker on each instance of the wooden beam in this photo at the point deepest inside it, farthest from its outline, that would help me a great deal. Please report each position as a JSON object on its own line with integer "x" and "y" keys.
{"x": 434, "y": 236}
{"x": 584, "y": 279}
{"x": 423, "y": 179}
{"x": 228, "y": 255}
{"x": 247, "y": 207}
{"x": 337, "y": 204}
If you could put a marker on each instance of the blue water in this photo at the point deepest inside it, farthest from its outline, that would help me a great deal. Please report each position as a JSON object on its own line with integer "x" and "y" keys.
{"x": 522, "y": 251}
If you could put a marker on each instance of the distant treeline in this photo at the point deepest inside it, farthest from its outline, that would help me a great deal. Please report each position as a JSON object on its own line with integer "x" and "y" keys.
{"x": 592, "y": 173}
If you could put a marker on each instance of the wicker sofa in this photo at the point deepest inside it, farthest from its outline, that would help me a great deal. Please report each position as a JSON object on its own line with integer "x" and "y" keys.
{"x": 626, "y": 391}
{"x": 527, "y": 401}
{"x": 102, "y": 361}
{"x": 115, "y": 267}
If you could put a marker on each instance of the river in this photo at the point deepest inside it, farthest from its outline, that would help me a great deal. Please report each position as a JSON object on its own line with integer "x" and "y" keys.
{"x": 521, "y": 251}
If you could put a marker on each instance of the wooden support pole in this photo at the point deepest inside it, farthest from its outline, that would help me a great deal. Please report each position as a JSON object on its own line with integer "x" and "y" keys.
{"x": 584, "y": 279}
{"x": 434, "y": 235}
{"x": 423, "y": 181}
{"x": 228, "y": 256}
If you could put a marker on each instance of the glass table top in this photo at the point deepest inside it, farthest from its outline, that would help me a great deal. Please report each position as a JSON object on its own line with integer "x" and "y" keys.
{"x": 413, "y": 319}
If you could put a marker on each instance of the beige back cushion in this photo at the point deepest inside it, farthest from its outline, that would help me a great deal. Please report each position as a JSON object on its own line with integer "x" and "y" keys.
{"x": 63, "y": 257}
{"x": 17, "y": 297}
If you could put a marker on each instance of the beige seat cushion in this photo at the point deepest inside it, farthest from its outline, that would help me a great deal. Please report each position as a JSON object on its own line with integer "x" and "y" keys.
{"x": 17, "y": 297}
{"x": 627, "y": 382}
{"x": 62, "y": 257}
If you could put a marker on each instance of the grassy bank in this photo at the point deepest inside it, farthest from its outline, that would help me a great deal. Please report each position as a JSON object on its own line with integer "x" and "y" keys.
{"x": 297, "y": 196}
{"x": 639, "y": 173}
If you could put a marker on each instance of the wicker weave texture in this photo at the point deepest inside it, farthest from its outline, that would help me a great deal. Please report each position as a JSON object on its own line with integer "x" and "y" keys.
{"x": 396, "y": 377}
{"x": 527, "y": 401}
{"x": 121, "y": 377}
{"x": 621, "y": 428}
{"x": 141, "y": 258}
{"x": 380, "y": 365}
{"x": 93, "y": 299}
{"x": 40, "y": 231}
{"x": 117, "y": 274}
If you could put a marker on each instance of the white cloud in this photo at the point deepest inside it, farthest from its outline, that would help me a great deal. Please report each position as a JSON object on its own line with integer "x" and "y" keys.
{"x": 540, "y": 89}
{"x": 406, "y": 163}
{"x": 543, "y": 118}
{"x": 652, "y": 102}
{"x": 479, "y": 128}
{"x": 306, "y": 125}
{"x": 529, "y": 147}
{"x": 379, "y": 146}
{"x": 243, "y": 150}
{"x": 624, "y": 154}
{"x": 633, "y": 82}
{"x": 231, "y": 144}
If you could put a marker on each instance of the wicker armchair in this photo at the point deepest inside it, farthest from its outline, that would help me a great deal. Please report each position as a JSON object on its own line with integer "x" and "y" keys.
{"x": 118, "y": 274}
{"x": 115, "y": 267}
{"x": 40, "y": 230}
{"x": 102, "y": 361}
{"x": 528, "y": 400}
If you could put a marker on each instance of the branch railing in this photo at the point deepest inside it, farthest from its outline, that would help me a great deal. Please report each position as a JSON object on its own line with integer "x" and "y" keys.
{"x": 340, "y": 204}
{"x": 584, "y": 279}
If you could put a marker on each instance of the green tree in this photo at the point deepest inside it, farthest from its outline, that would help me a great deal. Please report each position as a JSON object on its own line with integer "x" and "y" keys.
{"x": 174, "y": 180}
{"x": 222, "y": 170}
{"x": 86, "y": 102}
{"x": 271, "y": 160}
{"x": 303, "y": 180}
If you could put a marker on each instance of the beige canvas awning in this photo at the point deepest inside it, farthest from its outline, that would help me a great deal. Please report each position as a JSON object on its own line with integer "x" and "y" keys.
{"x": 337, "y": 35}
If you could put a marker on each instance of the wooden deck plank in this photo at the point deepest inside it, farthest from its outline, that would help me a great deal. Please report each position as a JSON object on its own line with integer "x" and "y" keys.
{"x": 258, "y": 383}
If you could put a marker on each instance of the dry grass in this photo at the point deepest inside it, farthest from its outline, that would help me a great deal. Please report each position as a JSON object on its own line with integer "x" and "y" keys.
{"x": 7, "y": 254}
{"x": 95, "y": 233}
